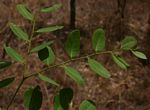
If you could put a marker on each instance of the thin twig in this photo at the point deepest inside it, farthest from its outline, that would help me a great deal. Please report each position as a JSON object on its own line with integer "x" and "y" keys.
{"x": 4, "y": 28}
{"x": 46, "y": 92}
{"x": 68, "y": 61}
{"x": 18, "y": 88}
{"x": 32, "y": 34}
{"x": 25, "y": 66}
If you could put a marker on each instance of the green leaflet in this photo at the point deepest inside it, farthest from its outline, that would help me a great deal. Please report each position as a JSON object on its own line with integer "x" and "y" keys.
{"x": 72, "y": 45}
{"x": 47, "y": 79}
{"x": 52, "y": 8}
{"x": 98, "y": 68}
{"x": 27, "y": 97}
{"x": 46, "y": 55}
{"x": 43, "y": 54}
{"x": 57, "y": 105}
{"x": 128, "y": 43}
{"x": 65, "y": 96}
{"x": 49, "y": 29}
{"x": 6, "y": 82}
{"x": 33, "y": 98}
{"x": 13, "y": 54}
{"x": 19, "y": 32}
{"x": 63, "y": 99}
{"x": 98, "y": 40}
{"x": 123, "y": 61}
{"x": 42, "y": 46}
{"x": 51, "y": 58}
{"x": 139, "y": 54}
{"x": 4, "y": 64}
{"x": 120, "y": 62}
{"x": 25, "y": 12}
{"x": 36, "y": 99}
{"x": 87, "y": 105}
{"x": 74, "y": 74}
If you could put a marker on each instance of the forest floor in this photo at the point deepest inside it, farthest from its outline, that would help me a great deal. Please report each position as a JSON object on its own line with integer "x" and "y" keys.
{"x": 125, "y": 90}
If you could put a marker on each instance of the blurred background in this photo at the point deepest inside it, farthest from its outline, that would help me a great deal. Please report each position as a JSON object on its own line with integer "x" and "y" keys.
{"x": 126, "y": 90}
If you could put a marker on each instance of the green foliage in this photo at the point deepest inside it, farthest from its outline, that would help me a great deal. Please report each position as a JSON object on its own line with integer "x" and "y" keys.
{"x": 57, "y": 105}
{"x": 27, "y": 97}
{"x": 4, "y": 64}
{"x": 43, "y": 54}
{"x": 13, "y": 54}
{"x": 50, "y": 9}
{"x": 33, "y": 98}
{"x": 6, "y": 82}
{"x": 46, "y": 55}
{"x": 42, "y": 46}
{"x": 120, "y": 61}
{"x": 49, "y": 29}
{"x": 72, "y": 45}
{"x": 65, "y": 96}
{"x": 98, "y": 68}
{"x": 128, "y": 43}
{"x": 75, "y": 75}
{"x": 63, "y": 99}
{"x": 47, "y": 79}
{"x": 22, "y": 9}
{"x": 98, "y": 40}
{"x": 87, "y": 105}
{"x": 18, "y": 32}
{"x": 139, "y": 54}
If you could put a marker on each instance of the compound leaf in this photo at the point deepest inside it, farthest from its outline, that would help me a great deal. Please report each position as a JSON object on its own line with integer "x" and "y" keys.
{"x": 22, "y": 9}
{"x": 13, "y": 54}
{"x": 98, "y": 68}
{"x": 128, "y": 43}
{"x": 87, "y": 105}
{"x": 18, "y": 32}
{"x": 51, "y": 8}
{"x": 72, "y": 45}
{"x": 98, "y": 40}
{"x": 74, "y": 74}
{"x": 47, "y": 79}
{"x": 6, "y": 82}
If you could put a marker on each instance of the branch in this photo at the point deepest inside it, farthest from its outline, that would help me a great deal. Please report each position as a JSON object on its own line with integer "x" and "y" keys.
{"x": 32, "y": 34}
{"x": 72, "y": 13}
{"x": 18, "y": 88}
{"x": 25, "y": 66}
{"x": 68, "y": 61}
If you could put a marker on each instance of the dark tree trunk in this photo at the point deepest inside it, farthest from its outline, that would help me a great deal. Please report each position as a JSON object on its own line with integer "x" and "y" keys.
{"x": 72, "y": 13}
{"x": 148, "y": 27}
{"x": 121, "y": 20}
{"x": 121, "y": 7}
{"x": 116, "y": 27}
